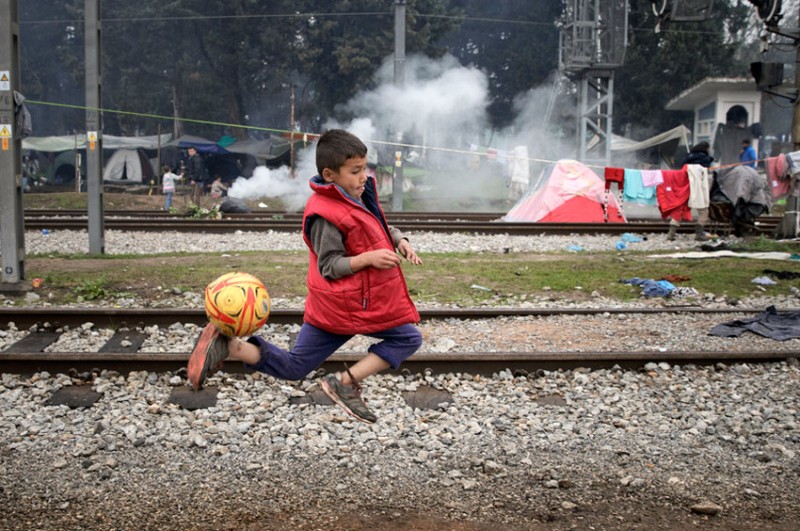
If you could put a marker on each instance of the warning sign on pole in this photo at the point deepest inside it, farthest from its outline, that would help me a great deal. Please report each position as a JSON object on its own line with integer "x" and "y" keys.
{"x": 5, "y": 80}
{"x": 91, "y": 136}
{"x": 5, "y": 130}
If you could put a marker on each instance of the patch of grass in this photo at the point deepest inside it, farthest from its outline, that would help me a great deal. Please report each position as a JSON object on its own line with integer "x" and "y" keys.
{"x": 457, "y": 278}
{"x": 763, "y": 244}
{"x": 92, "y": 289}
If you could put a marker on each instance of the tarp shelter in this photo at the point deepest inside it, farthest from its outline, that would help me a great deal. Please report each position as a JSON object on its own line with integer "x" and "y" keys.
{"x": 54, "y": 144}
{"x": 202, "y": 145}
{"x": 570, "y": 192}
{"x": 128, "y": 165}
{"x": 58, "y": 153}
{"x": 675, "y": 142}
{"x": 271, "y": 152}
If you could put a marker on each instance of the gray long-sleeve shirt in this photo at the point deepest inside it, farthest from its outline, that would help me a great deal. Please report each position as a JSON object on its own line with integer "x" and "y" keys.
{"x": 328, "y": 243}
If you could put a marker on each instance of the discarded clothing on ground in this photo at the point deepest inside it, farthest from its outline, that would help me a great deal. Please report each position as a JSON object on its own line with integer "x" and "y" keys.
{"x": 782, "y": 275}
{"x": 779, "y": 326}
{"x": 650, "y": 287}
{"x": 234, "y": 205}
{"x": 764, "y": 281}
{"x": 683, "y": 291}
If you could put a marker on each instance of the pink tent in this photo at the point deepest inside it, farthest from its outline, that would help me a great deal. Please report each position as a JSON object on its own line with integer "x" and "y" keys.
{"x": 572, "y": 193}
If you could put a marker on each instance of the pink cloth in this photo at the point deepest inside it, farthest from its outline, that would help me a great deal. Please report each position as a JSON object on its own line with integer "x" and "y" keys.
{"x": 777, "y": 174}
{"x": 652, "y": 177}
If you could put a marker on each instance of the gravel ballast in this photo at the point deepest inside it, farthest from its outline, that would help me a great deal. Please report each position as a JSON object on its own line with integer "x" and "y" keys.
{"x": 663, "y": 447}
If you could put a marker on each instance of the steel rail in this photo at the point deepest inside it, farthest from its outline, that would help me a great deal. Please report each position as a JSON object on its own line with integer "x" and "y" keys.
{"x": 223, "y": 226}
{"x": 118, "y": 317}
{"x": 261, "y": 214}
{"x": 434, "y": 362}
{"x": 28, "y": 355}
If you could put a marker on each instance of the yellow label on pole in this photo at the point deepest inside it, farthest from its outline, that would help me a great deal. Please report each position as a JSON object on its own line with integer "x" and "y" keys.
{"x": 5, "y": 144}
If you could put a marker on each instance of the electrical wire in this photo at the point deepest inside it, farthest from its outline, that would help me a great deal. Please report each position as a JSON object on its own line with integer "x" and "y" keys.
{"x": 283, "y": 132}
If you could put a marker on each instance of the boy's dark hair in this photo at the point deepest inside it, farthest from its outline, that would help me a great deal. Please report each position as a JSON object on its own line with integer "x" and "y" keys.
{"x": 746, "y": 141}
{"x": 335, "y": 146}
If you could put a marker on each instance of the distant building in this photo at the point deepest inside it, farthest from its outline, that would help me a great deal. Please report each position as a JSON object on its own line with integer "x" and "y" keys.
{"x": 728, "y": 110}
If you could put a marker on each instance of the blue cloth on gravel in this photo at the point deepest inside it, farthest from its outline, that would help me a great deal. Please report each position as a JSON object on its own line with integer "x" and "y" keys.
{"x": 630, "y": 238}
{"x": 650, "y": 287}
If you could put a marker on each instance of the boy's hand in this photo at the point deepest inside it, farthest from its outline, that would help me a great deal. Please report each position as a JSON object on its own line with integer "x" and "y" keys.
{"x": 379, "y": 259}
{"x": 407, "y": 250}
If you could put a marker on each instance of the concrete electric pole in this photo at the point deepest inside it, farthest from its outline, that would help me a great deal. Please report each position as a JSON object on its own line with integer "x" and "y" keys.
{"x": 12, "y": 221}
{"x": 399, "y": 81}
{"x": 94, "y": 129}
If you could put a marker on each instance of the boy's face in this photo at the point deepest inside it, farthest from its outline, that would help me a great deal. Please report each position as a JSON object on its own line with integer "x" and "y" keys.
{"x": 351, "y": 177}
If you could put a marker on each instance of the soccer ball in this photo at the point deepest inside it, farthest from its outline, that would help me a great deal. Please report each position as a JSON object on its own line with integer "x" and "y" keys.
{"x": 237, "y": 303}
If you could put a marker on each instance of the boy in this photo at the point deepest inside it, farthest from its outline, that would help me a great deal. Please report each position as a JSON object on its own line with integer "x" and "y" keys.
{"x": 355, "y": 286}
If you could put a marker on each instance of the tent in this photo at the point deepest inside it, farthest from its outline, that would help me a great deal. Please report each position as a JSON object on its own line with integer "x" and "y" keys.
{"x": 128, "y": 165}
{"x": 571, "y": 193}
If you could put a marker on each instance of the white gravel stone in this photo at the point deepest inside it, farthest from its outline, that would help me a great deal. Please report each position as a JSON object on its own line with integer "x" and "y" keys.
{"x": 720, "y": 441}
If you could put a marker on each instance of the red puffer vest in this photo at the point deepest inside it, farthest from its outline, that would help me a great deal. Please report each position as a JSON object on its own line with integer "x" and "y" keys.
{"x": 370, "y": 300}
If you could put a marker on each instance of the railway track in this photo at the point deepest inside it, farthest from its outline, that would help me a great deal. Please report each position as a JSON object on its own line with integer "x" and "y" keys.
{"x": 122, "y": 350}
{"x": 473, "y": 223}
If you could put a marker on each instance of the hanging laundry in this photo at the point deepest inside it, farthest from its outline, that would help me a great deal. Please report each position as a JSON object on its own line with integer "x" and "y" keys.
{"x": 673, "y": 195}
{"x": 652, "y": 177}
{"x": 636, "y": 191}
{"x": 778, "y": 176}
{"x": 699, "y": 186}
{"x": 616, "y": 175}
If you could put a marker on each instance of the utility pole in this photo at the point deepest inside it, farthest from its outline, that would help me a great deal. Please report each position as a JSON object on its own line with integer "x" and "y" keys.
{"x": 94, "y": 128}
{"x": 769, "y": 11}
{"x": 291, "y": 136}
{"x": 399, "y": 81}
{"x": 12, "y": 220}
{"x": 789, "y": 226}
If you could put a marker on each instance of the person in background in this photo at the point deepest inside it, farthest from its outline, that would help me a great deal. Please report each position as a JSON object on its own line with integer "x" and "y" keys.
{"x": 699, "y": 154}
{"x": 168, "y": 180}
{"x": 218, "y": 188}
{"x": 748, "y": 154}
{"x": 195, "y": 171}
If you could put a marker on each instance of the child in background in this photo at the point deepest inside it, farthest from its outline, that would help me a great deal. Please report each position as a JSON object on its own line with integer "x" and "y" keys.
{"x": 218, "y": 188}
{"x": 355, "y": 286}
{"x": 168, "y": 180}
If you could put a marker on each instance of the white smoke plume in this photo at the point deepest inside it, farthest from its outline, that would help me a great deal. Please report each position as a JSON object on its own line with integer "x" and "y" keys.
{"x": 439, "y": 115}
{"x": 272, "y": 183}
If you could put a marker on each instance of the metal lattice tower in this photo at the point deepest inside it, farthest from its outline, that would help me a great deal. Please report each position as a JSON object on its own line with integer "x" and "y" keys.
{"x": 592, "y": 46}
